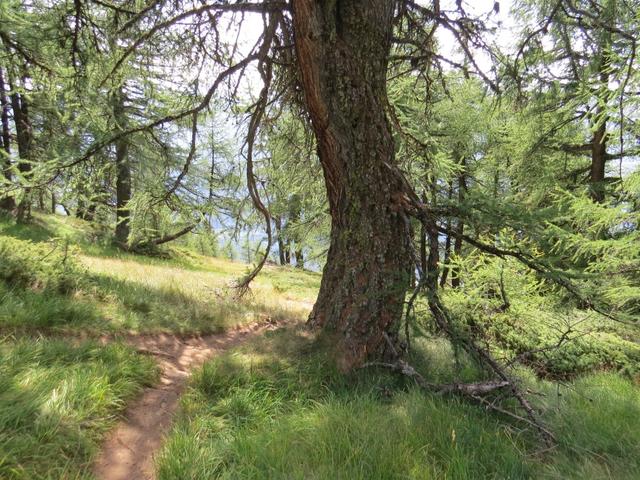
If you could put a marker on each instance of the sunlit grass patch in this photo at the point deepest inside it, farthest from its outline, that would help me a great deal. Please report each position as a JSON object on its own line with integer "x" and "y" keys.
{"x": 57, "y": 400}
{"x": 27, "y": 310}
{"x": 146, "y": 297}
{"x": 597, "y": 420}
{"x": 276, "y": 408}
{"x": 184, "y": 293}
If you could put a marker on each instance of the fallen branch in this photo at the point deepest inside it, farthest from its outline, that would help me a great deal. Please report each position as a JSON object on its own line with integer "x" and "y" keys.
{"x": 468, "y": 389}
{"x": 428, "y": 282}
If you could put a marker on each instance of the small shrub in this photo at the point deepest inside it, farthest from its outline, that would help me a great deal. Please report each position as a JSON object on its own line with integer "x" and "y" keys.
{"x": 42, "y": 266}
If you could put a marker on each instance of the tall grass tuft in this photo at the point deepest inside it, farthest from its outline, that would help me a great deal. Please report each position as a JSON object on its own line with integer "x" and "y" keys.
{"x": 57, "y": 400}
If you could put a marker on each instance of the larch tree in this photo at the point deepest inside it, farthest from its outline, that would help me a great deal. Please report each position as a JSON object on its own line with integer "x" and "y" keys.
{"x": 146, "y": 75}
{"x": 368, "y": 265}
{"x": 7, "y": 203}
{"x": 332, "y": 58}
{"x": 582, "y": 55}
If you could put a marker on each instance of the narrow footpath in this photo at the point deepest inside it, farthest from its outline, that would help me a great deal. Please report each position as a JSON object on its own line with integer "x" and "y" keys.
{"x": 129, "y": 449}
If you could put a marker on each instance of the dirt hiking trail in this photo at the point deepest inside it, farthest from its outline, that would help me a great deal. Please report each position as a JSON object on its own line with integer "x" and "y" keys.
{"x": 129, "y": 449}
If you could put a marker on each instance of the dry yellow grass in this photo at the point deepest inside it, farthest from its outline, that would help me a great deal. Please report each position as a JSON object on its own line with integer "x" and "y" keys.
{"x": 143, "y": 296}
{"x": 183, "y": 293}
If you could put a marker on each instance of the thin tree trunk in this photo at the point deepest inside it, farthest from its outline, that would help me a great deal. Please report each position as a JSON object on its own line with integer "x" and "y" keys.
{"x": 281, "y": 248}
{"x": 24, "y": 137}
{"x": 212, "y": 173}
{"x": 447, "y": 256}
{"x": 599, "y": 139}
{"x": 447, "y": 245}
{"x": 423, "y": 241}
{"x": 80, "y": 209}
{"x": 598, "y": 160}
{"x": 457, "y": 253}
{"x": 6, "y": 203}
{"x": 423, "y": 248}
{"x": 433, "y": 261}
{"x": 342, "y": 50}
{"x": 287, "y": 252}
{"x": 457, "y": 246}
{"x": 123, "y": 170}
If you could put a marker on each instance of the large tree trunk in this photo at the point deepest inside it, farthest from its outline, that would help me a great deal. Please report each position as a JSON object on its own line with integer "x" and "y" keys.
{"x": 342, "y": 49}
{"x": 123, "y": 170}
{"x": 6, "y": 203}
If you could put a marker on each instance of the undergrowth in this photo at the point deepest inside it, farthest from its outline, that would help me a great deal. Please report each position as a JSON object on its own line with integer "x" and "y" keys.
{"x": 539, "y": 325}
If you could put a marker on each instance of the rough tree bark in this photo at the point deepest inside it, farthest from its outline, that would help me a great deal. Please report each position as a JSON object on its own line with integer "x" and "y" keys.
{"x": 123, "y": 170}
{"x": 342, "y": 49}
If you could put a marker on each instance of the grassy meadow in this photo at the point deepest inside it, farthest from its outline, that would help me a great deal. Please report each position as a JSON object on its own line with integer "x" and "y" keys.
{"x": 61, "y": 289}
{"x": 274, "y": 407}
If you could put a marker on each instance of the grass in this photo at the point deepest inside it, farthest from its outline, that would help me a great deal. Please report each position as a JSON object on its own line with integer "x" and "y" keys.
{"x": 146, "y": 297}
{"x": 597, "y": 418}
{"x": 57, "y": 400}
{"x": 59, "y": 392}
{"x": 276, "y": 409}
{"x": 185, "y": 293}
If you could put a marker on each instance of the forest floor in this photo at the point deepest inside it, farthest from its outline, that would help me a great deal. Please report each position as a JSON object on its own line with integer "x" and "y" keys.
{"x": 89, "y": 379}
{"x": 150, "y": 368}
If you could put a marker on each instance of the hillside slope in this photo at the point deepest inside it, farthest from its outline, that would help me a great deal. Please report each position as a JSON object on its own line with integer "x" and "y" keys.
{"x": 272, "y": 407}
{"x": 69, "y": 308}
